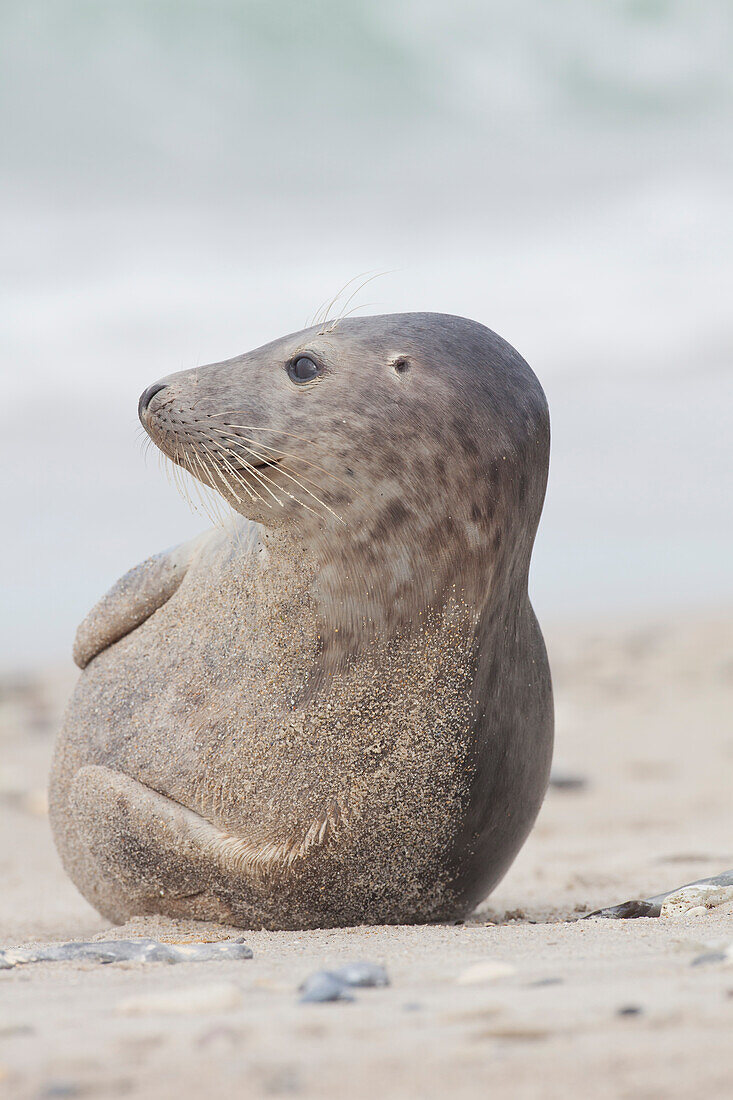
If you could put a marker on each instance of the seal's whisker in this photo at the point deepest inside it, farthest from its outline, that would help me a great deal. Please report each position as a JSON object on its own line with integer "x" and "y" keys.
{"x": 361, "y": 305}
{"x": 218, "y": 456}
{"x": 240, "y": 481}
{"x": 299, "y": 458}
{"x": 173, "y": 473}
{"x": 144, "y": 443}
{"x": 215, "y": 458}
{"x": 259, "y": 428}
{"x": 230, "y": 513}
{"x": 239, "y": 442}
{"x": 358, "y": 290}
{"x": 296, "y": 481}
{"x": 332, "y": 301}
{"x": 188, "y": 459}
{"x": 187, "y": 466}
{"x": 256, "y": 474}
{"x": 213, "y": 505}
{"x": 217, "y": 501}
{"x": 296, "y": 499}
{"x": 235, "y": 438}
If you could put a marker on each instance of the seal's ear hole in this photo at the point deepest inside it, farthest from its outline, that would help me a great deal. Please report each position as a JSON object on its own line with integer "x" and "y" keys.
{"x": 400, "y": 366}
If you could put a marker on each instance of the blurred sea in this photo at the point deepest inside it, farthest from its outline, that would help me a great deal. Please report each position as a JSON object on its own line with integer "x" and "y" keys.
{"x": 185, "y": 181}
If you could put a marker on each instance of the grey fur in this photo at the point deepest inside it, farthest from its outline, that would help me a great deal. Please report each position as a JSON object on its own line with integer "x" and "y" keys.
{"x": 339, "y": 712}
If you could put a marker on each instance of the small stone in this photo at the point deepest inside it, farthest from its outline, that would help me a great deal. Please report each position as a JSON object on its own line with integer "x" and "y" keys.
{"x": 111, "y": 951}
{"x": 191, "y": 1000}
{"x": 724, "y": 956}
{"x": 12, "y": 1027}
{"x": 323, "y": 986}
{"x": 567, "y": 781}
{"x": 59, "y": 1090}
{"x": 487, "y": 971}
{"x": 629, "y": 1010}
{"x": 542, "y": 982}
{"x": 364, "y": 975}
{"x": 709, "y": 957}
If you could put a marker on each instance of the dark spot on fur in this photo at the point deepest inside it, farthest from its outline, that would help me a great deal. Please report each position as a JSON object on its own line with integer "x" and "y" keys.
{"x": 482, "y": 512}
{"x": 397, "y": 512}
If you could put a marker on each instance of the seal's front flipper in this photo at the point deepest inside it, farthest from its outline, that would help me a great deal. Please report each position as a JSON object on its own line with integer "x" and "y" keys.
{"x": 132, "y": 600}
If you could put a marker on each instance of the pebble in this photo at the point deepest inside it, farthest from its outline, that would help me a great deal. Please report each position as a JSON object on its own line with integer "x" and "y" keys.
{"x": 323, "y": 986}
{"x": 629, "y": 1010}
{"x": 487, "y": 971}
{"x": 111, "y": 951}
{"x": 567, "y": 781}
{"x": 59, "y": 1089}
{"x": 333, "y": 985}
{"x": 724, "y": 956}
{"x": 191, "y": 1000}
{"x": 363, "y": 975}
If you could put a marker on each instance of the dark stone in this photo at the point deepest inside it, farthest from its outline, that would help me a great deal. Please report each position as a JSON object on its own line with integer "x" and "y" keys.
{"x": 323, "y": 986}
{"x": 362, "y": 974}
{"x": 566, "y": 781}
{"x": 628, "y": 910}
{"x": 710, "y": 957}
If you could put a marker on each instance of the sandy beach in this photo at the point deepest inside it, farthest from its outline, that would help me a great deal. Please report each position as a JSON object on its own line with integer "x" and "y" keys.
{"x": 604, "y": 1007}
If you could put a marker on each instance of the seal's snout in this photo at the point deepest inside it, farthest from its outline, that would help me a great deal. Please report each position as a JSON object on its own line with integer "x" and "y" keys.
{"x": 147, "y": 396}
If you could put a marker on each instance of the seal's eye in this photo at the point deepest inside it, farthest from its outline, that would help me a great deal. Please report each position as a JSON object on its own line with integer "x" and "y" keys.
{"x": 303, "y": 369}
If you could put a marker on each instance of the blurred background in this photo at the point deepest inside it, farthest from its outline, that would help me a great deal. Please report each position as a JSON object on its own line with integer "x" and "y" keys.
{"x": 183, "y": 181}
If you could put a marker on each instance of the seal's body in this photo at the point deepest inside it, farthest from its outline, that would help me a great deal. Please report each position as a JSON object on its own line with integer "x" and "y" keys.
{"x": 339, "y": 711}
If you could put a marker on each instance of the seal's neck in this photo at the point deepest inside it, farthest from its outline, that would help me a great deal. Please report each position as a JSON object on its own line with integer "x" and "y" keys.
{"x": 363, "y": 591}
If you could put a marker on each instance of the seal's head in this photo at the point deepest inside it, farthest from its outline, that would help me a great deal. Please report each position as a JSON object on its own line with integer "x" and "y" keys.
{"x": 420, "y": 437}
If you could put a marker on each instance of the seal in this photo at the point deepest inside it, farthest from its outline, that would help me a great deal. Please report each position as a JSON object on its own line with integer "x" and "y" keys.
{"x": 338, "y": 708}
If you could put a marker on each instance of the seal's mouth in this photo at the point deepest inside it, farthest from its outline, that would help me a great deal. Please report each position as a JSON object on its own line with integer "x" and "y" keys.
{"x": 240, "y": 465}
{"x": 244, "y": 467}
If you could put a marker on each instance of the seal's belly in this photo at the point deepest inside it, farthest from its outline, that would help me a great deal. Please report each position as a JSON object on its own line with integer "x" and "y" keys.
{"x": 203, "y": 703}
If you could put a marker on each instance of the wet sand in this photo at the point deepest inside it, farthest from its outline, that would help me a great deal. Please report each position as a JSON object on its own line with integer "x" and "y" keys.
{"x": 606, "y": 1008}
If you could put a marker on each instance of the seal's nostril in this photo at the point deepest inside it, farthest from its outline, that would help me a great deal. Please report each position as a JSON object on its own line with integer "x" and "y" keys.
{"x": 147, "y": 396}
